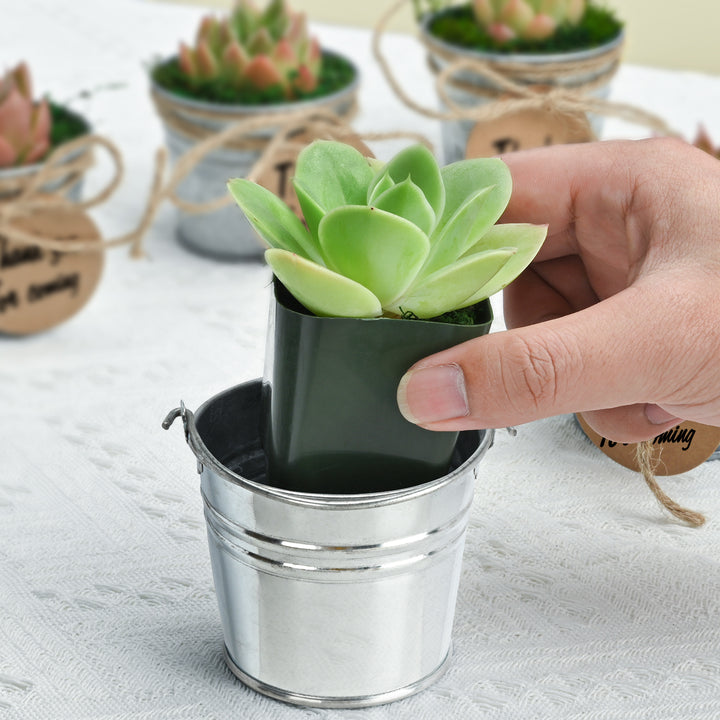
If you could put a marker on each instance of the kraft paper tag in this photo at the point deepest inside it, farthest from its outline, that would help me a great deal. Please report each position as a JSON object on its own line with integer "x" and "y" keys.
{"x": 677, "y": 450}
{"x": 42, "y": 288}
{"x": 524, "y": 130}
{"x": 281, "y": 166}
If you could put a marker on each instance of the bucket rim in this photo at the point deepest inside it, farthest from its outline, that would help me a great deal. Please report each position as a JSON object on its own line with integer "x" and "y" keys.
{"x": 325, "y": 500}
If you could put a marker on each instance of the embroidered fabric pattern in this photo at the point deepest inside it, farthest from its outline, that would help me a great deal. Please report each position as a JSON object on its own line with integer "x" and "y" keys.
{"x": 579, "y": 598}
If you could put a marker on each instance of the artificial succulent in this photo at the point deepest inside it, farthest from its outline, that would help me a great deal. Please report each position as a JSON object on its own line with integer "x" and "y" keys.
{"x": 506, "y": 20}
{"x": 391, "y": 239}
{"x": 255, "y": 49}
{"x": 24, "y": 124}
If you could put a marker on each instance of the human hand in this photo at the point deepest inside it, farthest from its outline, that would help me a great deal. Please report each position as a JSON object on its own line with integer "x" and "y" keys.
{"x": 618, "y": 317}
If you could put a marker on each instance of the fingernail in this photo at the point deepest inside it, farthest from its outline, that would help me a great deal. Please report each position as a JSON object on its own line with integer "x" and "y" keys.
{"x": 657, "y": 416}
{"x": 431, "y": 394}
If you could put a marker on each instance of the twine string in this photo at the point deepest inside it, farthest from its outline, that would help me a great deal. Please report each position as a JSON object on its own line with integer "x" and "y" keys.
{"x": 647, "y": 464}
{"x": 512, "y": 95}
{"x": 68, "y": 163}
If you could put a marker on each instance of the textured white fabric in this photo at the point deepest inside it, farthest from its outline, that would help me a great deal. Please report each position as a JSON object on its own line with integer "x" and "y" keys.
{"x": 579, "y": 597}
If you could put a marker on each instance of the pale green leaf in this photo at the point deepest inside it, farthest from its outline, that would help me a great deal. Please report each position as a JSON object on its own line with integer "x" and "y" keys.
{"x": 470, "y": 221}
{"x": 272, "y": 219}
{"x": 333, "y": 174}
{"x": 322, "y": 291}
{"x": 419, "y": 164}
{"x": 379, "y": 185}
{"x": 452, "y": 287}
{"x": 407, "y": 200}
{"x": 527, "y": 241}
{"x": 379, "y": 250}
{"x": 311, "y": 211}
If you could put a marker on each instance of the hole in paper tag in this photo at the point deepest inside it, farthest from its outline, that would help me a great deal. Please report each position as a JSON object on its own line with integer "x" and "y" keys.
{"x": 280, "y": 168}
{"x": 524, "y": 130}
{"x": 42, "y": 288}
{"x": 678, "y": 450}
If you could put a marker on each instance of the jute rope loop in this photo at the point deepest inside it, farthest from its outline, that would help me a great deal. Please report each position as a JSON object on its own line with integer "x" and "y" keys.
{"x": 28, "y": 193}
{"x": 320, "y": 121}
{"x": 23, "y": 195}
{"x": 522, "y": 95}
{"x": 647, "y": 463}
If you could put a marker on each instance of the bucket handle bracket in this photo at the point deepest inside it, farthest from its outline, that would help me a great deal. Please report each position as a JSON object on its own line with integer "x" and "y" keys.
{"x": 187, "y": 420}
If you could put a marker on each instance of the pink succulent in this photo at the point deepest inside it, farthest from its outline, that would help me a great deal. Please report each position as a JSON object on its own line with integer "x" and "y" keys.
{"x": 24, "y": 124}
{"x": 255, "y": 49}
{"x": 506, "y": 20}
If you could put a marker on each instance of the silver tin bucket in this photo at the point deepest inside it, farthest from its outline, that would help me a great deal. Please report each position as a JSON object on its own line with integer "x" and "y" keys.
{"x": 226, "y": 234}
{"x": 328, "y": 600}
{"x": 455, "y": 133}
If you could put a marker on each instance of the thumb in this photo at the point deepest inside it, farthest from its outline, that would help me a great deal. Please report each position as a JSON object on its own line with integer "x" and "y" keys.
{"x": 593, "y": 360}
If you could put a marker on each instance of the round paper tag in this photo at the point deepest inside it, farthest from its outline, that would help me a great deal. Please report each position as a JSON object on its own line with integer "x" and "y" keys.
{"x": 42, "y": 288}
{"x": 677, "y": 450}
{"x": 526, "y": 129}
{"x": 281, "y": 167}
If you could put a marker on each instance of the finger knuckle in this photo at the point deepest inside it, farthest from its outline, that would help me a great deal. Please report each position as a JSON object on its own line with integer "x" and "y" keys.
{"x": 534, "y": 373}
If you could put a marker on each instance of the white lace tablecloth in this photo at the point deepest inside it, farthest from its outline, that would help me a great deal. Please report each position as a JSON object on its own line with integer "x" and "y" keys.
{"x": 579, "y": 597}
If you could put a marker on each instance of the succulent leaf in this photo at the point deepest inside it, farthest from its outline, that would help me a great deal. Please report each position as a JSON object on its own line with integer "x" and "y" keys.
{"x": 506, "y": 20}
{"x": 418, "y": 163}
{"x": 275, "y": 49}
{"x": 453, "y": 287}
{"x": 24, "y": 124}
{"x": 408, "y": 201}
{"x": 376, "y": 225}
{"x": 320, "y": 290}
{"x": 526, "y": 239}
{"x": 272, "y": 219}
{"x": 354, "y": 241}
{"x": 334, "y": 174}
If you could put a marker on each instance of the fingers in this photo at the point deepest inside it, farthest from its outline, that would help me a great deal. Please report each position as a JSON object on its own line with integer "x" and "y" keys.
{"x": 564, "y": 365}
{"x": 632, "y": 423}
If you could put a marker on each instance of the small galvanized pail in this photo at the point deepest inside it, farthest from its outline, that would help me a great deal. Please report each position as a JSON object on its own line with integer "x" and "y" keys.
{"x": 225, "y": 233}
{"x": 588, "y": 70}
{"x": 328, "y": 600}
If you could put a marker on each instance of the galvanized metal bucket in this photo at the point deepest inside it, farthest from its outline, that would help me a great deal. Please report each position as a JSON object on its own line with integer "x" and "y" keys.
{"x": 226, "y": 234}
{"x": 328, "y": 600}
{"x": 455, "y": 133}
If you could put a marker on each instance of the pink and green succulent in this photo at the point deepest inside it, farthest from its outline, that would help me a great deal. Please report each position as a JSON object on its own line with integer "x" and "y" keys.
{"x": 391, "y": 239}
{"x": 506, "y": 20}
{"x": 25, "y": 125}
{"x": 255, "y": 49}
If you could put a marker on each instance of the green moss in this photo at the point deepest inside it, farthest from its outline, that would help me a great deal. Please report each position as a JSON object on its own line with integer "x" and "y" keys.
{"x": 336, "y": 74}
{"x": 473, "y": 315}
{"x": 66, "y": 125}
{"x": 457, "y": 25}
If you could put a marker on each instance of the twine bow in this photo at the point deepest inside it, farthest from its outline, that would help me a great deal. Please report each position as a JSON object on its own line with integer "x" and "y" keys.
{"x": 25, "y": 194}
{"x": 512, "y": 96}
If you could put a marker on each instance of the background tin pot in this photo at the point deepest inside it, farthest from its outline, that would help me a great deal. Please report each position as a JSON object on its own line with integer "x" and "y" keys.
{"x": 13, "y": 179}
{"x": 330, "y": 418}
{"x": 225, "y": 234}
{"x": 455, "y": 133}
{"x": 328, "y": 600}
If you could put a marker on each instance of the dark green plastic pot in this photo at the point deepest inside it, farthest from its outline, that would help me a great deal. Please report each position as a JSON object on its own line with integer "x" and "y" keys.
{"x": 330, "y": 418}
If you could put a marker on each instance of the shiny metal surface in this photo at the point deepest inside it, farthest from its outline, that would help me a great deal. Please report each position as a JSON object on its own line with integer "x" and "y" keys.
{"x": 226, "y": 234}
{"x": 328, "y": 600}
{"x": 455, "y": 133}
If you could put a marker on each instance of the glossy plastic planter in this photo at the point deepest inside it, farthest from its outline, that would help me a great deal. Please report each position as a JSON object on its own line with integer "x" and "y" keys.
{"x": 330, "y": 418}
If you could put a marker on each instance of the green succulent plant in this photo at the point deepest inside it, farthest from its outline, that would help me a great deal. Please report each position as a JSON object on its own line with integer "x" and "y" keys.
{"x": 389, "y": 239}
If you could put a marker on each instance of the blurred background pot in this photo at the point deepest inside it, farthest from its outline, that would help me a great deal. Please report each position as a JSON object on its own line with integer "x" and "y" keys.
{"x": 225, "y": 234}
{"x": 588, "y": 70}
